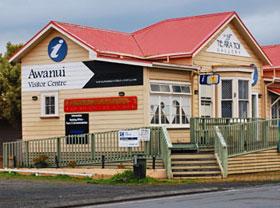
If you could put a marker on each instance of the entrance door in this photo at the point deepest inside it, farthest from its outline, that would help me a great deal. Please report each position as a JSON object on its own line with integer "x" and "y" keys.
{"x": 206, "y": 103}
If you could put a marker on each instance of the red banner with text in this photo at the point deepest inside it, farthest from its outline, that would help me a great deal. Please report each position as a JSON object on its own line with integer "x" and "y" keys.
{"x": 100, "y": 104}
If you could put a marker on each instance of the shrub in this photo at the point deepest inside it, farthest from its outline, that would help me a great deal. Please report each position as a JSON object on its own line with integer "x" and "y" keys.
{"x": 41, "y": 161}
{"x": 72, "y": 164}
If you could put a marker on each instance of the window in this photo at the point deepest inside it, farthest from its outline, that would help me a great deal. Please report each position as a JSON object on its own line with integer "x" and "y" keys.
{"x": 170, "y": 104}
{"x": 227, "y": 98}
{"x": 49, "y": 104}
{"x": 236, "y": 98}
{"x": 275, "y": 107}
{"x": 243, "y": 98}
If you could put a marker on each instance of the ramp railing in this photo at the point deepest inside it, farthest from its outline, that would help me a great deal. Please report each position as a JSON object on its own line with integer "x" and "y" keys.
{"x": 86, "y": 149}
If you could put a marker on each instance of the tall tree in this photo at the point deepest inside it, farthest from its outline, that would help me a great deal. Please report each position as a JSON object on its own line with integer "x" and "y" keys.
{"x": 10, "y": 86}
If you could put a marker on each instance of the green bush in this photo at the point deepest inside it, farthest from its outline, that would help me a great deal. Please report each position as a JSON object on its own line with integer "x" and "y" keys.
{"x": 128, "y": 177}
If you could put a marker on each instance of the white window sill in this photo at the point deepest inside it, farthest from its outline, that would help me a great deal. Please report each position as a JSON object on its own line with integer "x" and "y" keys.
{"x": 49, "y": 116}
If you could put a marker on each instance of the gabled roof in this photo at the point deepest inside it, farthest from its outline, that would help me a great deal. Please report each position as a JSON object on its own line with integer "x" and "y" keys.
{"x": 173, "y": 37}
{"x": 273, "y": 53}
{"x": 103, "y": 40}
{"x": 179, "y": 35}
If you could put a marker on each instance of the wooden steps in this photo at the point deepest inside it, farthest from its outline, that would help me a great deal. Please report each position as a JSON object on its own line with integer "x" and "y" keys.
{"x": 201, "y": 164}
{"x": 266, "y": 160}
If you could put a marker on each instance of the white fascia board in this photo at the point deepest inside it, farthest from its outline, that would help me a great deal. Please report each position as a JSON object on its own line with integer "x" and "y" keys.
{"x": 123, "y": 61}
{"x": 34, "y": 39}
{"x": 175, "y": 66}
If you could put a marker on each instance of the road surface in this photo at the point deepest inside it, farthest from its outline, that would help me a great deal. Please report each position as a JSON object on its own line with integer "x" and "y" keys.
{"x": 254, "y": 197}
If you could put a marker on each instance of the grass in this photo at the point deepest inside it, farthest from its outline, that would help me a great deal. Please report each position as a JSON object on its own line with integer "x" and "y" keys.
{"x": 128, "y": 178}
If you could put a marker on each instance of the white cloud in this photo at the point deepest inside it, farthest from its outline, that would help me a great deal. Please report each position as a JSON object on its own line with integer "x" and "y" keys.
{"x": 265, "y": 27}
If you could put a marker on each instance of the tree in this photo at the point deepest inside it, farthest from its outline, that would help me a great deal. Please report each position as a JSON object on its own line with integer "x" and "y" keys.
{"x": 10, "y": 87}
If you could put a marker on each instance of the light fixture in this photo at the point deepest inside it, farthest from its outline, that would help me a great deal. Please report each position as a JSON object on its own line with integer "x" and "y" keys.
{"x": 34, "y": 98}
{"x": 121, "y": 93}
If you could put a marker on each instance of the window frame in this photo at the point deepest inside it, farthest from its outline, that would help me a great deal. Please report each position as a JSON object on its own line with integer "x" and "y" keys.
{"x": 235, "y": 98}
{"x": 170, "y": 93}
{"x": 43, "y": 104}
{"x": 242, "y": 99}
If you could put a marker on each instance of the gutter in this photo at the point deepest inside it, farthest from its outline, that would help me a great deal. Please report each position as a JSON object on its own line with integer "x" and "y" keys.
{"x": 175, "y": 66}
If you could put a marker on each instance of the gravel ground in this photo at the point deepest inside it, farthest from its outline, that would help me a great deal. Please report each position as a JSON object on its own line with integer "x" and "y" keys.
{"x": 35, "y": 193}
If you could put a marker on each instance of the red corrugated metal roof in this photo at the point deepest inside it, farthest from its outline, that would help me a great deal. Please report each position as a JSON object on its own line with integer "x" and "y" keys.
{"x": 172, "y": 37}
{"x": 273, "y": 53}
{"x": 103, "y": 40}
{"x": 179, "y": 35}
{"x": 274, "y": 89}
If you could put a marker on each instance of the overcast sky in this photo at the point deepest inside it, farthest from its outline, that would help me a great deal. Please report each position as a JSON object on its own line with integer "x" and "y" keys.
{"x": 21, "y": 19}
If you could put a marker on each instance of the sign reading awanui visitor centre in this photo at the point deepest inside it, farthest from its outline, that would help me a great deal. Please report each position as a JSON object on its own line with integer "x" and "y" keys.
{"x": 79, "y": 75}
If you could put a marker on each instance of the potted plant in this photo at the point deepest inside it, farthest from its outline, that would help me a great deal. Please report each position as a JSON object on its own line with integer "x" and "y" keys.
{"x": 41, "y": 161}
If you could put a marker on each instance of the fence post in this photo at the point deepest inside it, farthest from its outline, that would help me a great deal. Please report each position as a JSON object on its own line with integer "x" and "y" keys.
{"x": 5, "y": 155}
{"x": 92, "y": 146}
{"x": 267, "y": 133}
{"x": 26, "y": 145}
{"x": 58, "y": 150}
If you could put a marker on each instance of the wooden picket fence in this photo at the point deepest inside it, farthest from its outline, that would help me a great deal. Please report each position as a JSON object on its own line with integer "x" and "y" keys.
{"x": 87, "y": 149}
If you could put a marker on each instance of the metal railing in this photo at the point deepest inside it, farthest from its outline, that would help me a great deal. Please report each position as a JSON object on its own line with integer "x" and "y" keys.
{"x": 83, "y": 149}
{"x": 221, "y": 152}
{"x": 203, "y": 129}
{"x": 252, "y": 136}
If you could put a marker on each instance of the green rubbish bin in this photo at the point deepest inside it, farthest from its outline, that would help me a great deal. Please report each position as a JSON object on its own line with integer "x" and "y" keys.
{"x": 139, "y": 167}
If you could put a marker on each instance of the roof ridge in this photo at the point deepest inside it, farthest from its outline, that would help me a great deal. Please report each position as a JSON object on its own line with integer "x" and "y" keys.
{"x": 90, "y": 27}
{"x": 181, "y": 18}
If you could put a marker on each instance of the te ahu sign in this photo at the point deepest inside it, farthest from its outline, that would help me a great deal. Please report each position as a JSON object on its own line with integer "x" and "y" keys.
{"x": 79, "y": 75}
{"x": 227, "y": 43}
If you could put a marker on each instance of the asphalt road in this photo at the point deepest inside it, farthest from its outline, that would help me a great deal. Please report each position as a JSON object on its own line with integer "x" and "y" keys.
{"x": 257, "y": 197}
{"x": 21, "y": 193}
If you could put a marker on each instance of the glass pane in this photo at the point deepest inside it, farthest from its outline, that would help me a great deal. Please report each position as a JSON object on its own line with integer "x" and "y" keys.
{"x": 176, "y": 88}
{"x": 226, "y": 89}
{"x": 176, "y": 110}
{"x": 164, "y": 88}
{"x": 186, "y": 109}
{"x": 155, "y": 88}
{"x": 47, "y": 102}
{"x": 165, "y": 109}
{"x": 52, "y": 100}
{"x": 243, "y": 89}
{"x": 243, "y": 107}
{"x": 185, "y": 89}
{"x": 227, "y": 109}
{"x": 154, "y": 109}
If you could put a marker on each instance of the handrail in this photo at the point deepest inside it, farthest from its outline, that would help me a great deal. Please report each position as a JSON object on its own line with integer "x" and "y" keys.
{"x": 203, "y": 131}
{"x": 166, "y": 146}
{"x": 251, "y": 136}
{"x": 88, "y": 149}
{"x": 221, "y": 152}
{"x": 83, "y": 149}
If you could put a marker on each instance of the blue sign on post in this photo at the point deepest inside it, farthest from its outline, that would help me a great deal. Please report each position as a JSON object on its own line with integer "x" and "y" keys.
{"x": 255, "y": 75}
{"x": 209, "y": 79}
{"x": 57, "y": 49}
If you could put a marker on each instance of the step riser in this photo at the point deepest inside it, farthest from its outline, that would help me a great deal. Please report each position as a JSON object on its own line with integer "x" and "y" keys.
{"x": 201, "y": 164}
